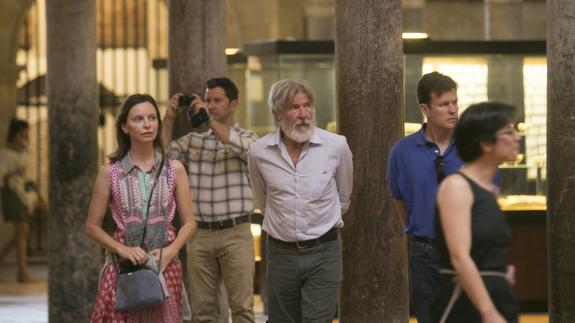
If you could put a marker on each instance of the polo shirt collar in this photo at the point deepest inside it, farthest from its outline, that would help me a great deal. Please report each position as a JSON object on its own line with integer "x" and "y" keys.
{"x": 422, "y": 141}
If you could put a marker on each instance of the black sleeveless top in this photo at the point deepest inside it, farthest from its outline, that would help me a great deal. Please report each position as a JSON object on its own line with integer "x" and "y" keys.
{"x": 490, "y": 236}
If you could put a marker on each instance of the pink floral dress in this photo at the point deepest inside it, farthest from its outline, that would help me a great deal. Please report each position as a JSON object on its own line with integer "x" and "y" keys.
{"x": 128, "y": 203}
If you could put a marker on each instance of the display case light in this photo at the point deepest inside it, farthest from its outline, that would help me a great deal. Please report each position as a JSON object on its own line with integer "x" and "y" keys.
{"x": 232, "y": 51}
{"x": 414, "y": 35}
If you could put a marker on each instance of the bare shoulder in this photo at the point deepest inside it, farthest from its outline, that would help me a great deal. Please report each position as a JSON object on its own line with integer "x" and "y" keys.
{"x": 454, "y": 191}
{"x": 105, "y": 171}
{"x": 179, "y": 169}
{"x": 454, "y": 185}
{"x": 178, "y": 166}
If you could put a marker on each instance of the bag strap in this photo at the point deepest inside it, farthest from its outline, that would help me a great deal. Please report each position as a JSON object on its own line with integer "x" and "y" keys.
{"x": 164, "y": 222}
{"x": 158, "y": 172}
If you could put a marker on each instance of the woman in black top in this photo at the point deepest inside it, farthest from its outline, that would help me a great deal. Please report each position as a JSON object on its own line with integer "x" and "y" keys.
{"x": 473, "y": 234}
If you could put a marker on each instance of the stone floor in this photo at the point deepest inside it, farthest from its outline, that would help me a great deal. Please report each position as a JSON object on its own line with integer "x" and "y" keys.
{"x": 28, "y": 302}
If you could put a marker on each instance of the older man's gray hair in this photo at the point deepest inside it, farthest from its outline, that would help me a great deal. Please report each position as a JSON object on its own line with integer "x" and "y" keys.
{"x": 282, "y": 94}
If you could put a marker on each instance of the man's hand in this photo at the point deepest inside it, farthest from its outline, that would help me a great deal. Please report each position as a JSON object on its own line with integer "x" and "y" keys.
{"x": 173, "y": 106}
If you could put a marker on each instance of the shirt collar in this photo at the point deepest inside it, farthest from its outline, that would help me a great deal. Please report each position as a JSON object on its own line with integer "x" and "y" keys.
{"x": 422, "y": 141}
{"x": 126, "y": 164}
{"x": 276, "y": 138}
{"x": 420, "y": 136}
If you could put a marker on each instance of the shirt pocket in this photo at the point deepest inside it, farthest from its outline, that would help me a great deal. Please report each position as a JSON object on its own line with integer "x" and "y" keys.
{"x": 316, "y": 187}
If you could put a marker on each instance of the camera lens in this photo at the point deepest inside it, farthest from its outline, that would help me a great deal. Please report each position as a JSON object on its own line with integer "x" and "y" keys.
{"x": 185, "y": 100}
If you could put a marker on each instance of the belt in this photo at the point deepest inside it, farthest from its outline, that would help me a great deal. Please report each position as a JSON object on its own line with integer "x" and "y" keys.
{"x": 225, "y": 224}
{"x": 422, "y": 240}
{"x": 329, "y": 236}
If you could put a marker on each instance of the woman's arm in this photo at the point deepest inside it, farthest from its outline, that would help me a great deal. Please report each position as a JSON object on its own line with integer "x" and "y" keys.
{"x": 96, "y": 213}
{"x": 455, "y": 200}
{"x": 188, "y": 223}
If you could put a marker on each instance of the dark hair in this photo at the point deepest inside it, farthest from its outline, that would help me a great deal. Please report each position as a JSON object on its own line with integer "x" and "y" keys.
{"x": 225, "y": 83}
{"x": 16, "y": 126}
{"x": 435, "y": 83}
{"x": 480, "y": 123}
{"x": 122, "y": 139}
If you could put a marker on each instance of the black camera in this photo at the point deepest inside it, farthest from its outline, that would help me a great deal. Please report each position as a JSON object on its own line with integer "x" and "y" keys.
{"x": 197, "y": 116}
{"x": 186, "y": 100}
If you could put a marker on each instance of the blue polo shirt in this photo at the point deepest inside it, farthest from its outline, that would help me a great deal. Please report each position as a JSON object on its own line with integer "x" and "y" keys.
{"x": 412, "y": 178}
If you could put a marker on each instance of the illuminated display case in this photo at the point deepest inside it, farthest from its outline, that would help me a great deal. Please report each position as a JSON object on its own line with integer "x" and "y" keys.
{"x": 508, "y": 71}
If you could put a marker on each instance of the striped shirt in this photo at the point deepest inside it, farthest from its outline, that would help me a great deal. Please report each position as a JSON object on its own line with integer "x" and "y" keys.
{"x": 218, "y": 172}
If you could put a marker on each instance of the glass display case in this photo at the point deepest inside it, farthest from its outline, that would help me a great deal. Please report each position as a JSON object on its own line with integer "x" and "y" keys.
{"x": 511, "y": 72}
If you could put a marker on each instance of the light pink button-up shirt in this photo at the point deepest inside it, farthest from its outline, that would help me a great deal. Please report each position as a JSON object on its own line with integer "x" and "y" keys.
{"x": 305, "y": 201}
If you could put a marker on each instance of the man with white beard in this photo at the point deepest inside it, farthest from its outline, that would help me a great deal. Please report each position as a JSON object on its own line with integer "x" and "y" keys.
{"x": 302, "y": 177}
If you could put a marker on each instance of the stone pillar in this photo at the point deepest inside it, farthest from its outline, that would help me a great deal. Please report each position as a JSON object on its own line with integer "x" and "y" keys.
{"x": 560, "y": 157}
{"x": 505, "y": 84}
{"x": 196, "y": 54}
{"x": 369, "y": 75}
{"x": 73, "y": 118}
{"x": 464, "y": 21}
{"x": 319, "y": 19}
{"x": 196, "y": 48}
{"x": 11, "y": 18}
{"x": 8, "y": 93}
{"x": 498, "y": 26}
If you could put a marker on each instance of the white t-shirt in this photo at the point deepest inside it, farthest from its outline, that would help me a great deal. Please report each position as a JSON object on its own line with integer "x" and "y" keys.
{"x": 15, "y": 163}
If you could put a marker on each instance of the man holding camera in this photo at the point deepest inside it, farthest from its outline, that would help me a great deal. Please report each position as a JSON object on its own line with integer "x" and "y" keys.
{"x": 222, "y": 247}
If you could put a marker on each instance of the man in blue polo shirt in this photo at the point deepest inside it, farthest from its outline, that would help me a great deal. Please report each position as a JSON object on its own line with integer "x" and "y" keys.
{"x": 417, "y": 164}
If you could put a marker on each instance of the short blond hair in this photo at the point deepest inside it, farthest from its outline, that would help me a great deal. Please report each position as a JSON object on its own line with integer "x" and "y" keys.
{"x": 282, "y": 94}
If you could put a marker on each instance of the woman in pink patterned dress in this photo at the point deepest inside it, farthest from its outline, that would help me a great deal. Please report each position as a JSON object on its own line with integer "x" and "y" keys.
{"x": 125, "y": 186}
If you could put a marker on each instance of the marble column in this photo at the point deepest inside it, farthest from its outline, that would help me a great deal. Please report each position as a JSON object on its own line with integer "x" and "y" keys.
{"x": 73, "y": 118}
{"x": 196, "y": 48}
{"x": 369, "y": 74}
{"x": 560, "y": 157}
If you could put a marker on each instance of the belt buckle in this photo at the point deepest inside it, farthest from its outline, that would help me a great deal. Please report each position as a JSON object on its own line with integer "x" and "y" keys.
{"x": 221, "y": 222}
{"x": 298, "y": 245}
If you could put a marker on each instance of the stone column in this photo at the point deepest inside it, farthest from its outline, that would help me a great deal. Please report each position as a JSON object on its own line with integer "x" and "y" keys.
{"x": 369, "y": 74}
{"x": 560, "y": 157}
{"x": 196, "y": 48}
{"x": 319, "y": 19}
{"x": 73, "y": 118}
{"x": 196, "y": 54}
{"x": 505, "y": 84}
{"x": 11, "y": 18}
{"x": 8, "y": 93}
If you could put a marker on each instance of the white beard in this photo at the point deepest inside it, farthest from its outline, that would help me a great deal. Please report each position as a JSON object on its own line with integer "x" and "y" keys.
{"x": 298, "y": 134}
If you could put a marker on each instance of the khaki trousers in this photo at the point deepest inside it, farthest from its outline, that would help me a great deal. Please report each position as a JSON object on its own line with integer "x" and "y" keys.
{"x": 216, "y": 255}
